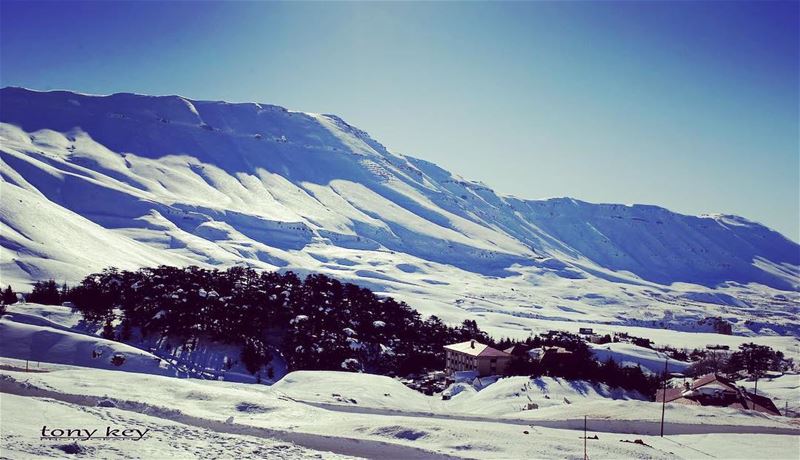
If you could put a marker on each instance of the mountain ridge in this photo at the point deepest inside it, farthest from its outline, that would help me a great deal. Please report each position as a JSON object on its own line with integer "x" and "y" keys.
{"x": 181, "y": 181}
{"x": 363, "y": 134}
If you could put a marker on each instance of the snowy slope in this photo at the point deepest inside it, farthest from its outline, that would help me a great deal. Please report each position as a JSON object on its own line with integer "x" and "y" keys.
{"x": 197, "y": 413}
{"x": 56, "y": 334}
{"x": 131, "y": 180}
{"x": 512, "y": 395}
{"x": 628, "y": 354}
{"x": 366, "y": 390}
{"x": 507, "y": 396}
{"x": 32, "y": 338}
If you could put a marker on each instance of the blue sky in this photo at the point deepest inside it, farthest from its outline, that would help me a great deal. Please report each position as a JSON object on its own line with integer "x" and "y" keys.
{"x": 688, "y": 105}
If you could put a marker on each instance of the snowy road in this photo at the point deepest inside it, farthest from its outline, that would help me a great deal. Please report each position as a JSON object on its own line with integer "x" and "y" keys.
{"x": 642, "y": 427}
{"x": 336, "y": 444}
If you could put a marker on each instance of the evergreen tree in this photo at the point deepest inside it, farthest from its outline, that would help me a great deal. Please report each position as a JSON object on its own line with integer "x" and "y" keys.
{"x": 9, "y": 297}
{"x": 712, "y": 361}
{"x": 755, "y": 359}
{"x": 108, "y": 330}
{"x": 45, "y": 292}
{"x": 255, "y": 355}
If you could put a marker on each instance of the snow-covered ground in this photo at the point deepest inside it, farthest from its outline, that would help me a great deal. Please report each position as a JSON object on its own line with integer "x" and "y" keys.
{"x": 36, "y": 339}
{"x": 506, "y": 397}
{"x": 188, "y": 414}
{"x": 164, "y": 438}
{"x": 56, "y": 334}
{"x": 336, "y": 413}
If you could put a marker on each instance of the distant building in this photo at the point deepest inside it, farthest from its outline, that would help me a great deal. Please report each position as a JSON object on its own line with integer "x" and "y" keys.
{"x": 556, "y": 356}
{"x": 527, "y": 353}
{"x": 519, "y": 350}
{"x": 715, "y": 390}
{"x": 536, "y": 353}
{"x": 553, "y": 333}
{"x": 475, "y": 356}
{"x": 586, "y": 331}
{"x": 598, "y": 339}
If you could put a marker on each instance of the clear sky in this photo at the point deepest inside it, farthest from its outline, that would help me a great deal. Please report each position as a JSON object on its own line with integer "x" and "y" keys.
{"x": 688, "y": 105}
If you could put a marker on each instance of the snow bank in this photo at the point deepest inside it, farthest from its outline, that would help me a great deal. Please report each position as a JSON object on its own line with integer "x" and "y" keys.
{"x": 506, "y": 396}
{"x": 365, "y": 390}
{"x": 514, "y": 394}
{"x": 52, "y": 344}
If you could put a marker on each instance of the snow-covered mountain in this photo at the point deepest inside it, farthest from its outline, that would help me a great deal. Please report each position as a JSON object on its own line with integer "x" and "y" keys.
{"x": 128, "y": 180}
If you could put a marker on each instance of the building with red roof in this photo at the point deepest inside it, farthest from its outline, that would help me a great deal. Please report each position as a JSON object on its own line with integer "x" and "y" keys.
{"x": 716, "y": 390}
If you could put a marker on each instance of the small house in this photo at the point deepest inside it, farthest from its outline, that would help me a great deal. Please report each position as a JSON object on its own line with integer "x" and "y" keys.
{"x": 716, "y": 390}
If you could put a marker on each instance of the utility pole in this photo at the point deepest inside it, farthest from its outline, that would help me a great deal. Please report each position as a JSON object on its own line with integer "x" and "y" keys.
{"x": 664, "y": 396}
{"x": 585, "y": 454}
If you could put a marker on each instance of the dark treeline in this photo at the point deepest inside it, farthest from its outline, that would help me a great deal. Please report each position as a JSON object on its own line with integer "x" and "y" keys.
{"x": 316, "y": 323}
{"x": 580, "y": 364}
{"x": 48, "y": 293}
{"x": 751, "y": 360}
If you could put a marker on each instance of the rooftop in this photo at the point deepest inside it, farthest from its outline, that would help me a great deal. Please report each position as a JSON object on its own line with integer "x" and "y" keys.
{"x": 475, "y": 348}
{"x": 738, "y": 399}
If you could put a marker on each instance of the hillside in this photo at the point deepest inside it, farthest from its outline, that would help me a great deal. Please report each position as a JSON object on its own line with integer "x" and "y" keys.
{"x": 32, "y": 338}
{"x": 129, "y": 180}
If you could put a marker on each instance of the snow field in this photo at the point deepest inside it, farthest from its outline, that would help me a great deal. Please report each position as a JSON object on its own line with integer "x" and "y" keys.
{"x": 252, "y": 408}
